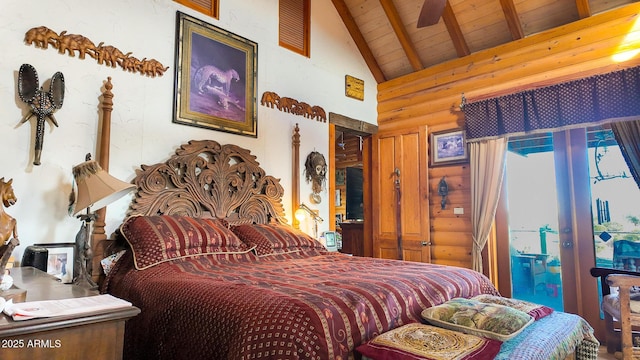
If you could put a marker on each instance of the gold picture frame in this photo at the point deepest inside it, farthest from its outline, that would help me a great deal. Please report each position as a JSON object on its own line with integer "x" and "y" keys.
{"x": 215, "y": 78}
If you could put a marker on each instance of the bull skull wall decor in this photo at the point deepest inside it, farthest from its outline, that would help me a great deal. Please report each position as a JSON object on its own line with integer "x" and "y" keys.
{"x": 315, "y": 171}
{"x": 43, "y": 103}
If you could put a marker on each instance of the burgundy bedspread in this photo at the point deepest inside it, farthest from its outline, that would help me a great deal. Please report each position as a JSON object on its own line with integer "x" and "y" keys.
{"x": 315, "y": 307}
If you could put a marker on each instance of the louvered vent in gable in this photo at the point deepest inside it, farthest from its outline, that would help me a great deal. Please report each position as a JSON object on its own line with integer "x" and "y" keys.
{"x": 294, "y": 25}
{"x": 207, "y": 7}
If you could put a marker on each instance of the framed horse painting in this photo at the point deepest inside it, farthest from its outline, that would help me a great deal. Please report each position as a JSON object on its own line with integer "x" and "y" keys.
{"x": 215, "y": 78}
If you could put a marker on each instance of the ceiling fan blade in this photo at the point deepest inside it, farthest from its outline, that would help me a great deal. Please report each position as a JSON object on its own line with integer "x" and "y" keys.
{"x": 431, "y": 12}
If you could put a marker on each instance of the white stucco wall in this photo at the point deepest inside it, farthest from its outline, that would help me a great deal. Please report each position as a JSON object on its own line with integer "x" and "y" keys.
{"x": 142, "y": 131}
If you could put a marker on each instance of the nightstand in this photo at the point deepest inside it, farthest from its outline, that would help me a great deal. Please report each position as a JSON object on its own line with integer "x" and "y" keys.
{"x": 97, "y": 335}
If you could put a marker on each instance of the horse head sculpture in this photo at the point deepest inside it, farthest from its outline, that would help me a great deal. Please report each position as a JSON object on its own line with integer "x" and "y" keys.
{"x": 8, "y": 225}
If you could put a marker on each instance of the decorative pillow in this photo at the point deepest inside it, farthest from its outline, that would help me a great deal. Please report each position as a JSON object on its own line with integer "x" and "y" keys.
{"x": 537, "y": 311}
{"x": 421, "y": 341}
{"x": 271, "y": 239}
{"x": 473, "y": 317}
{"x": 110, "y": 261}
{"x": 156, "y": 239}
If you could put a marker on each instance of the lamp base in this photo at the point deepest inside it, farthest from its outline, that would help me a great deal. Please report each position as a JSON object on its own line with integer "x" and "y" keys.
{"x": 85, "y": 281}
{"x": 83, "y": 254}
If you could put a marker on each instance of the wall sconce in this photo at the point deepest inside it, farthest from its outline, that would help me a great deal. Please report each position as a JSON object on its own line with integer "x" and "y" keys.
{"x": 443, "y": 190}
{"x": 301, "y": 214}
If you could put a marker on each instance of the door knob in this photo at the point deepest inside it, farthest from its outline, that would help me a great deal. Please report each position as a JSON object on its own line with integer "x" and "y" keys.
{"x": 425, "y": 243}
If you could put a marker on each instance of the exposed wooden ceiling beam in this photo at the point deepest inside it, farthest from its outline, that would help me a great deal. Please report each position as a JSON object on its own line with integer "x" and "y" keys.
{"x": 513, "y": 20}
{"x": 401, "y": 33}
{"x": 450, "y": 21}
{"x": 358, "y": 38}
{"x": 584, "y": 11}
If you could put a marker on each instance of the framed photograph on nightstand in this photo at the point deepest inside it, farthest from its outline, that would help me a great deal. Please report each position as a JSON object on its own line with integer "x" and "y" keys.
{"x": 60, "y": 261}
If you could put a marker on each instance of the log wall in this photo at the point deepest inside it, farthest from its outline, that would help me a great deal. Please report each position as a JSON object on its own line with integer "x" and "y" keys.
{"x": 432, "y": 97}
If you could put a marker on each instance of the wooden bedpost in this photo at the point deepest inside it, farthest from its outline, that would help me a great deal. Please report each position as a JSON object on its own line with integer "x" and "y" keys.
{"x": 295, "y": 178}
{"x": 98, "y": 236}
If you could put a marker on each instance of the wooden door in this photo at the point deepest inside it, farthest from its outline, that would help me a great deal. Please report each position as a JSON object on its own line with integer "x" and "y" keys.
{"x": 401, "y": 167}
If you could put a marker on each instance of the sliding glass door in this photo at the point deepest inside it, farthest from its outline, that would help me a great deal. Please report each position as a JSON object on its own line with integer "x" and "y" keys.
{"x": 568, "y": 205}
{"x": 534, "y": 246}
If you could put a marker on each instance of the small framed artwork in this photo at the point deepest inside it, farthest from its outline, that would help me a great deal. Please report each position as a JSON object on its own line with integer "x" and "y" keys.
{"x": 60, "y": 261}
{"x": 338, "y": 219}
{"x": 215, "y": 78}
{"x": 448, "y": 147}
{"x": 338, "y": 199}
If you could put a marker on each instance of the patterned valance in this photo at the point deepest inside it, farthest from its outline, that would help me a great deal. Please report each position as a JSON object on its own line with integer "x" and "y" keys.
{"x": 614, "y": 95}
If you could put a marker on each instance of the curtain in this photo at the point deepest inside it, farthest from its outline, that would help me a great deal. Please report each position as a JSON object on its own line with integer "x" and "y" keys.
{"x": 487, "y": 162}
{"x": 627, "y": 134}
{"x": 576, "y": 103}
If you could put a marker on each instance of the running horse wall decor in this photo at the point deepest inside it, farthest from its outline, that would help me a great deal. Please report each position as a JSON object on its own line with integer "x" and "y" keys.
{"x": 43, "y": 103}
{"x": 8, "y": 225}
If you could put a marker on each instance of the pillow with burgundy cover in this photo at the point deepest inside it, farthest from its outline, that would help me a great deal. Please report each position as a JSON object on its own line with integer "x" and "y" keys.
{"x": 269, "y": 239}
{"x": 160, "y": 238}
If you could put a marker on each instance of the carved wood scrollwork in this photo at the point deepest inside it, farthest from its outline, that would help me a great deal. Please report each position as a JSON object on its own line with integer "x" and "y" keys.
{"x": 206, "y": 179}
{"x": 293, "y": 106}
{"x": 108, "y": 55}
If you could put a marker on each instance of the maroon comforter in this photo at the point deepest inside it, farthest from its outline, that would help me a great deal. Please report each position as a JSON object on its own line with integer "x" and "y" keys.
{"x": 304, "y": 307}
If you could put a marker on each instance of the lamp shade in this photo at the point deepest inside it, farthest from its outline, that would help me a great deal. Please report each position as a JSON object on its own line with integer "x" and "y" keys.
{"x": 96, "y": 188}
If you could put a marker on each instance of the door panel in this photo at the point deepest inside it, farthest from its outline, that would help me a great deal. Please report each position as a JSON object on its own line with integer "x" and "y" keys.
{"x": 568, "y": 239}
{"x": 385, "y": 243}
{"x": 576, "y": 223}
{"x": 385, "y": 184}
{"x": 405, "y": 151}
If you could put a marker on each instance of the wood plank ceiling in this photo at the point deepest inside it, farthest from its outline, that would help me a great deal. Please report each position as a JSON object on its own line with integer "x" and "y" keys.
{"x": 392, "y": 45}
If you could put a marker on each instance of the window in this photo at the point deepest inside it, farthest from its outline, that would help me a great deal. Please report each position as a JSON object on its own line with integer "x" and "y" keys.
{"x": 207, "y": 7}
{"x": 294, "y": 25}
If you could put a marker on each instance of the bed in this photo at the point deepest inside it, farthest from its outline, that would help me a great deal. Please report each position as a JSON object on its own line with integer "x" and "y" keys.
{"x": 218, "y": 274}
{"x": 207, "y": 294}
{"x": 206, "y": 254}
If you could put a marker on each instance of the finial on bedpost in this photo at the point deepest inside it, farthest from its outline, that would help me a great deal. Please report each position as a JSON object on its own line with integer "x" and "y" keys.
{"x": 98, "y": 236}
{"x": 295, "y": 179}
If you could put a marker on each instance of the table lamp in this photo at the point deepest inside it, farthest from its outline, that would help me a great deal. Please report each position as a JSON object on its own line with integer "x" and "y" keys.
{"x": 97, "y": 189}
{"x": 302, "y": 212}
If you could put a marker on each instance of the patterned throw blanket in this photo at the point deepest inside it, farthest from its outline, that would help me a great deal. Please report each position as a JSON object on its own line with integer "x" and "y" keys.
{"x": 284, "y": 307}
{"x": 553, "y": 337}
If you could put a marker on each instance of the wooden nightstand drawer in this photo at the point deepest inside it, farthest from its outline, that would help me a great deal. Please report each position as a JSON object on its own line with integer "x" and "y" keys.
{"x": 96, "y": 335}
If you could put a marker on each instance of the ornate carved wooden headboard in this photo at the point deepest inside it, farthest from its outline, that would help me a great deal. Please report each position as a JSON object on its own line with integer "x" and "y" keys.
{"x": 202, "y": 179}
{"x": 206, "y": 179}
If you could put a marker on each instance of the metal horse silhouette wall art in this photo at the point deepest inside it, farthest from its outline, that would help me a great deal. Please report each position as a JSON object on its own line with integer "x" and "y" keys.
{"x": 43, "y": 103}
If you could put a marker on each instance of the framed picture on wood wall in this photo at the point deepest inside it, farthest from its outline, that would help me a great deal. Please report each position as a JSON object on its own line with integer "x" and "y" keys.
{"x": 448, "y": 147}
{"x": 215, "y": 78}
